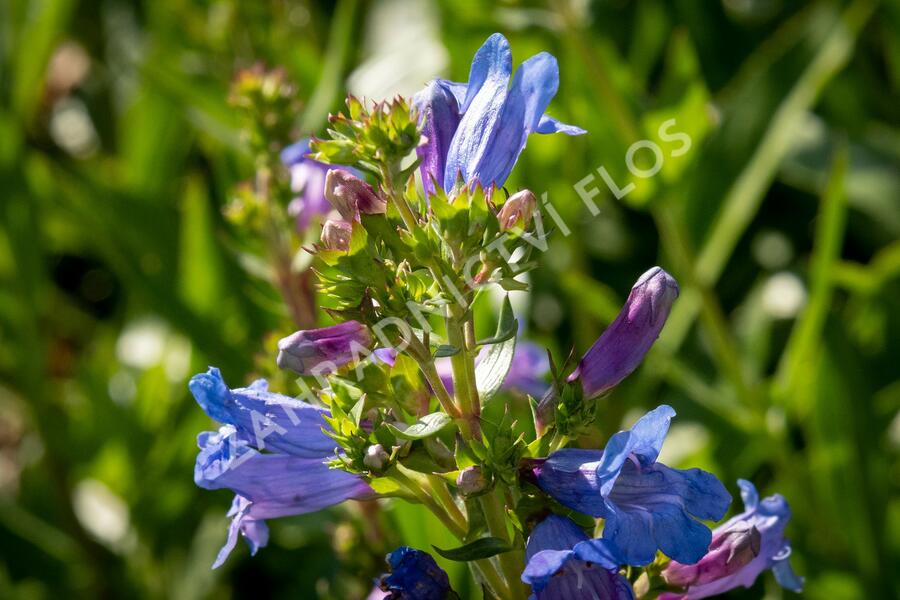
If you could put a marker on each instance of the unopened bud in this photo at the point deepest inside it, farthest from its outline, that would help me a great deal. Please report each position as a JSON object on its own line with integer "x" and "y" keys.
{"x": 629, "y": 337}
{"x": 517, "y": 211}
{"x": 350, "y": 195}
{"x": 471, "y": 480}
{"x": 336, "y": 235}
{"x": 309, "y": 351}
{"x": 376, "y": 457}
{"x": 730, "y": 551}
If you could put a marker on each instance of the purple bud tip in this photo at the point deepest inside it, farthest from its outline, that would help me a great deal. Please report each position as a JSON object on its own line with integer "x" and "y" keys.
{"x": 517, "y": 211}
{"x": 627, "y": 340}
{"x": 336, "y": 235}
{"x": 471, "y": 480}
{"x": 350, "y": 195}
{"x": 321, "y": 351}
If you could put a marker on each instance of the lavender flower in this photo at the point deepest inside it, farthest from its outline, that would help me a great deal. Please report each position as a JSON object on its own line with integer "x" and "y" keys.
{"x": 562, "y": 563}
{"x": 478, "y": 129}
{"x": 647, "y": 505}
{"x": 741, "y": 549}
{"x": 267, "y": 485}
{"x": 308, "y": 182}
{"x": 323, "y": 350}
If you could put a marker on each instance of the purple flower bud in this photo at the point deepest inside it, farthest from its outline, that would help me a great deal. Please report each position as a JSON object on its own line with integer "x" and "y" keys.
{"x": 623, "y": 345}
{"x": 320, "y": 351}
{"x": 517, "y": 211}
{"x": 350, "y": 195}
{"x": 336, "y": 235}
{"x": 730, "y": 551}
{"x": 471, "y": 480}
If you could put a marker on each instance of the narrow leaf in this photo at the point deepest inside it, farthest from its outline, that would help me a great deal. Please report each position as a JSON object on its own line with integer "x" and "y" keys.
{"x": 424, "y": 427}
{"x": 481, "y": 548}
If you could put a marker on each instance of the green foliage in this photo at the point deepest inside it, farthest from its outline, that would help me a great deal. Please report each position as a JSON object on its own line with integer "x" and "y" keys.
{"x": 119, "y": 276}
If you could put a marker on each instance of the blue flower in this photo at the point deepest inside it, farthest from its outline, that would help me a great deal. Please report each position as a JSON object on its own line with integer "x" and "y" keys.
{"x": 717, "y": 573}
{"x": 266, "y": 420}
{"x": 477, "y": 130}
{"x": 647, "y": 505}
{"x": 293, "y": 480}
{"x": 563, "y": 563}
{"x": 308, "y": 182}
{"x": 414, "y": 576}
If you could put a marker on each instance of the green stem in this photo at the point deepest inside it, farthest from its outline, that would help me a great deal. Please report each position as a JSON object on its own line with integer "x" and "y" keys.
{"x": 463, "y": 364}
{"x": 512, "y": 562}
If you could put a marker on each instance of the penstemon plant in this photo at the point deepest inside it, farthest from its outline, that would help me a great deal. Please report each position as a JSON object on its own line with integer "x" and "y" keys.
{"x": 401, "y": 399}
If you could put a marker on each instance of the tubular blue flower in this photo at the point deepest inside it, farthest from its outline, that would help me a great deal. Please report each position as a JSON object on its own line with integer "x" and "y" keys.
{"x": 478, "y": 129}
{"x": 267, "y": 485}
{"x": 647, "y": 505}
{"x": 414, "y": 576}
{"x": 626, "y": 341}
{"x": 323, "y": 350}
{"x": 720, "y": 571}
{"x": 265, "y": 420}
{"x": 308, "y": 182}
{"x": 563, "y": 563}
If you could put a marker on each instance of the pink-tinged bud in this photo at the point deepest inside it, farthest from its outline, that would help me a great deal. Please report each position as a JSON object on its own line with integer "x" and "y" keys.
{"x": 321, "y": 351}
{"x": 517, "y": 211}
{"x": 471, "y": 480}
{"x": 730, "y": 551}
{"x": 350, "y": 195}
{"x": 336, "y": 235}
{"x": 623, "y": 345}
{"x": 376, "y": 457}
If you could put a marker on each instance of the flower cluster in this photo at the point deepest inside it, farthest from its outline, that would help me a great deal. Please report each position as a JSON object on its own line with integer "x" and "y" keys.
{"x": 398, "y": 396}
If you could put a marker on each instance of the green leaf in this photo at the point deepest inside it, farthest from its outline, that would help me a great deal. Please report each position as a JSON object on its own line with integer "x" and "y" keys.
{"x": 492, "y": 370}
{"x": 424, "y": 427}
{"x": 357, "y": 410}
{"x": 445, "y": 350}
{"x": 506, "y": 326}
{"x": 481, "y": 548}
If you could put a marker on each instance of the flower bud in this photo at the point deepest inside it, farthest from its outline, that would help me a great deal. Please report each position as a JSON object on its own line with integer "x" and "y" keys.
{"x": 730, "y": 551}
{"x": 336, "y": 235}
{"x": 321, "y": 351}
{"x": 376, "y": 457}
{"x": 517, "y": 211}
{"x": 350, "y": 195}
{"x": 471, "y": 480}
{"x": 623, "y": 345}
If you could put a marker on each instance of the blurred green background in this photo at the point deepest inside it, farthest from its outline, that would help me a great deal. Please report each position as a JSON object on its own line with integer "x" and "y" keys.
{"x": 119, "y": 277}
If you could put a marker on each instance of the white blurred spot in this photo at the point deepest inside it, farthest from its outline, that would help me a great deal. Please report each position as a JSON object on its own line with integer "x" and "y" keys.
{"x": 393, "y": 28}
{"x": 772, "y": 249}
{"x": 783, "y": 295}
{"x": 72, "y": 129}
{"x": 121, "y": 387}
{"x": 149, "y": 342}
{"x": 547, "y": 313}
{"x": 102, "y": 513}
{"x": 141, "y": 343}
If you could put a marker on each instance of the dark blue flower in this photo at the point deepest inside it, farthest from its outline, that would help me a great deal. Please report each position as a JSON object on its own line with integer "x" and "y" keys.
{"x": 267, "y": 421}
{"x": 267, "y": 485}
{"x": 563, "y": 563}
{"x": 719, "y": 572}
{"x": 647, "y": 505}
{"x": 414, "y": 576}
{"x": 477, "y": 130}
